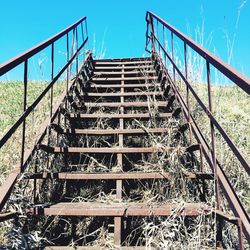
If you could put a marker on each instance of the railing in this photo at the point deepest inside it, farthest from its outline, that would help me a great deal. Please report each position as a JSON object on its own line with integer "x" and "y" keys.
{"x": 73, "y": 53}
{"x": 159, "y": 49}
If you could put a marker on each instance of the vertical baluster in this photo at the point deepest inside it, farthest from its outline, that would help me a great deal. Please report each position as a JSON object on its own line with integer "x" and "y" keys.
{"x": 187, "y": 89}
{"x": 82, "y": 38}
{"x": 72, "y": 49}
{"x": 165, "y": 56}
{"x": 158, "y": 37}
{"x": 76, "y": 50}
{"x": 86, "y": 27}
{"x": 172, "y": 42}
{"x": 152, "y": 34}
{"x": 52, "y": 77}
{"x": 82, "y": 32}
{"x": 68, "y": 68}
{"x": 25, "y": 82}
{"x": 212, "y": 137}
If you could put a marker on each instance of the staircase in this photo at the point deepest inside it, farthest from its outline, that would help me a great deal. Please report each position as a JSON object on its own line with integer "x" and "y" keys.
{"x": 121, "y": 162}
{"x": 120, "y": 124}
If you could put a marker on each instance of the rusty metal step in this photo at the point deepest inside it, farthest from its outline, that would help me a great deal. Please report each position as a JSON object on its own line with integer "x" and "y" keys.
{"x": 120, "y": 116}
{"x": 100, "y": 73}
{"x": 110, "y": 131}
{"x": 118, "y": 209}
{"x": 125, "y": 67}
{"x": 126, "y": 104}
{"x": 123, "y": 63}
{"x": 135, "y": 85}
{"x": 125, "y": 94}
{"x": 124, "y": 59}
{"x": 116, "y": 175}
{"x": 105, "y": 150}
{"x": 126, "y": 79}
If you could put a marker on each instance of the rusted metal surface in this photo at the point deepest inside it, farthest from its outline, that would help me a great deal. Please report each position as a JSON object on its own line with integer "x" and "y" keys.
{"x": 142, "y": 67}
{"x": 141, "y": 62}
{"x": 131, "y": 72}
{"x": 119, "y": 209}
{"x": 111, "y": 131}
{"x": 154, "y": 93}
{"x": 58, "y": 150}
{"x": 125, "y": 104}
{"x": 117, "y": 176}
{"x": 8, "y": 185}
{"x": 135, "y": 85}
{"x": 115, "y": 79}
{"x": 117, "y": 116}
{"x": 239, "y": 79}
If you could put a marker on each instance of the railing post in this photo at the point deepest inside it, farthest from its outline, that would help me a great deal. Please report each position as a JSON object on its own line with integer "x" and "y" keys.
{"x": 82, "y": 37}
{"x": 52, "y": 77}
{"x": 213, "y": 138}
{"x": 152, "y": 34}
{"x": 187, "y": 89}
{"x": 25, "y": 82}
{"x": 172, "y": 42}
{"x": 165, "y": 56}
{"x": 76, "y": 50}
{"x": 158, "y": 37}
{"x": 68, "y": 68}
{"x": 72, "y": 49}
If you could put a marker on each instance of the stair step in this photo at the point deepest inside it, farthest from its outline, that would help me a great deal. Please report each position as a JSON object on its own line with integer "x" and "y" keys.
{"x": 105, "y": 150}
{"x": 116, "y": 176}
{"x": 121, "y": 116}
{"x": 142, "y": 62}
{"x": 135, "y": 85}
{"x": 110, "y": 131}
{"x": 142, "y": 93}
{"x": 149, "y": 66}
{"x": 126, "y": 104}
{"x": 118, "y": 209}
{"x": 126, "y": 59}
{"x": 99, "y": 73}
{"x": 110, "y": 79}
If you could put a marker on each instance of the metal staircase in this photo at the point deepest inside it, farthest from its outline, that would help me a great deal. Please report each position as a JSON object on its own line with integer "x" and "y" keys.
{"x": 120, "y": 132}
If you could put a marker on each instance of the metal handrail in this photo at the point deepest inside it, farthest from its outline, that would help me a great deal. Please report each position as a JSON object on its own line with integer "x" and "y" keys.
{"x": 24, "y": 57}
{"x": 240, "y": 80}
{"x": 12, "y": 63}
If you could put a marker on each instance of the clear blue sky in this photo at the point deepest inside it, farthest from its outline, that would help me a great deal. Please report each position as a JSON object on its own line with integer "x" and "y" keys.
{"x": 118, "y": 27}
